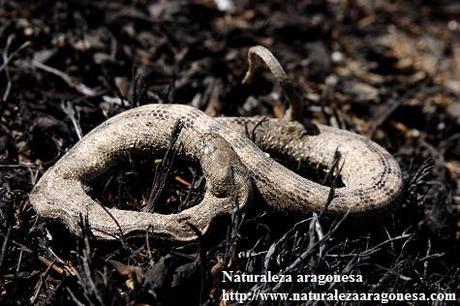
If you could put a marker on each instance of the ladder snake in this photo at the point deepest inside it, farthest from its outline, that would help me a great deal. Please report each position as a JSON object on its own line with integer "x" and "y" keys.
{"x": 233, "y": 164}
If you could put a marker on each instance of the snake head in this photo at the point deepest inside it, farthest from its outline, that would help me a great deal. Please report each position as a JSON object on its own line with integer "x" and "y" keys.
{"x": 223, "y": 169}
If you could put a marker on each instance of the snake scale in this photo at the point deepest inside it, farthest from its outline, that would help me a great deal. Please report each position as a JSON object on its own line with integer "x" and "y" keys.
{"x": 232, "y": 164}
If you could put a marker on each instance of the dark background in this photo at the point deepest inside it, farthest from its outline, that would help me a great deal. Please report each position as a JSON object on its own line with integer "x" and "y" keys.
{"x": 389, "y": 70}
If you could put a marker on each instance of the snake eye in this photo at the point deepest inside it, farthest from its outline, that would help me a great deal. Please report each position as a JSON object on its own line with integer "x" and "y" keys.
{"x": 209, "y": 148}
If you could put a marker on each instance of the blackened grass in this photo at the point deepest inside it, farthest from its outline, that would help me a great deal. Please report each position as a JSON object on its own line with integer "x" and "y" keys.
{"x": 163, "y": 169}
{"x": 202, "y": 257}
{"x": 332, "y": 179}
{"x": 233, "y": 232}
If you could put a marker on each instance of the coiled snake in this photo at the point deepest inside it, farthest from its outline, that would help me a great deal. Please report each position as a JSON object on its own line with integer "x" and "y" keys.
{"x": 231, "y": 162}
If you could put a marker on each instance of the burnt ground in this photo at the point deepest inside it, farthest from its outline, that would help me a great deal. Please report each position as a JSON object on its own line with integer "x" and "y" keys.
{"x": 389, "y": 70}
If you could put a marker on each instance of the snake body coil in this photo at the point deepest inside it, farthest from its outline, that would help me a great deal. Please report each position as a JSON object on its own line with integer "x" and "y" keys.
{"x": 230, "y": 163}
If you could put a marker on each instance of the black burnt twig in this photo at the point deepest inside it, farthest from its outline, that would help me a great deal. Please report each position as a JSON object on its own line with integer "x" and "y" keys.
{"x": 163, "y": 169}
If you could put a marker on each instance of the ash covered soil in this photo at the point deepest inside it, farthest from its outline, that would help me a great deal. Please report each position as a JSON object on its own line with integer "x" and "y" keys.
{"x": 387, "y": 70}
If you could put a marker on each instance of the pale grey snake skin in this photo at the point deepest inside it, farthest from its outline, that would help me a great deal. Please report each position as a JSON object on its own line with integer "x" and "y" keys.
{"x": 231, "y": 163}
{"x": 372, "y": 177}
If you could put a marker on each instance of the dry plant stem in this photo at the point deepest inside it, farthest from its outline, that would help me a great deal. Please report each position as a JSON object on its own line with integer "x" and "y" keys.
{"x": 260, "y": 55}
{"x": 80, "y": 87}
